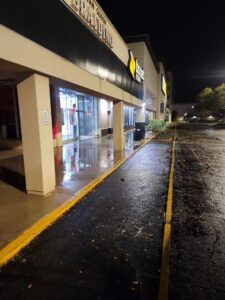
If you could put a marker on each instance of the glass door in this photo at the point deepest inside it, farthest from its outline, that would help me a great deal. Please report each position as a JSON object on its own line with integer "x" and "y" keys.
{"x": 68, "y": 104}
{"x": 87, "y": 108}
{"x": 89, "y": 119}
{"x": 78, "y": 109}
{"x": 81, "y": 115}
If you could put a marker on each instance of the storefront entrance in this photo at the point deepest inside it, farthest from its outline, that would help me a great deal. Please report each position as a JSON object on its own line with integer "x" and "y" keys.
{"x": 78, "y": 115}
{"x": 129, "y": 117}
{"x": 87, "y": 114}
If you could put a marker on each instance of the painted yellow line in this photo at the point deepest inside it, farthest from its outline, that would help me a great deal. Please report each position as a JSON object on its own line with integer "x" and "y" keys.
{"x": 164, "y": 276}
{"x": 170, "y": 189}
{"x": 14, "y": 247}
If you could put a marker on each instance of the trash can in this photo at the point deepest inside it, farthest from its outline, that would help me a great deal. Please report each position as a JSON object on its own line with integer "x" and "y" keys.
{"x": 138, "y": 134}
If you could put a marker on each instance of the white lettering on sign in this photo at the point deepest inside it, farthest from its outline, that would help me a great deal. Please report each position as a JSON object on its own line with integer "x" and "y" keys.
{"x": 136, "y": 71}
{"x": 45, "y": 117}
{"x": 91, "y": 14}
{"x": 139, "y": 72}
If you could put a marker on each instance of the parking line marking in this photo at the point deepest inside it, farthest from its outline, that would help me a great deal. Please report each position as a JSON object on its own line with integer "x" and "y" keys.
{"x": 24, "y": 239}
{"x": 164, "y": 276}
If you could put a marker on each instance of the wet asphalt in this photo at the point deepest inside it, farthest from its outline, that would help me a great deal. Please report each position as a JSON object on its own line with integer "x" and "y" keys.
{"x": 108, "y": 246}
{"x": 197, "y": 255}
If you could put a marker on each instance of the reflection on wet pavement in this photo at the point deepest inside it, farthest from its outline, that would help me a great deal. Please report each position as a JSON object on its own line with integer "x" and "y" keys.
{"x": 84, "y": 160}
{"x": 74, "y": 161}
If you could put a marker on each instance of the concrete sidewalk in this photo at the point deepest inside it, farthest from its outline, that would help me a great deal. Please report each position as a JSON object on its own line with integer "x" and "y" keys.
{"x": 77, "y": 164}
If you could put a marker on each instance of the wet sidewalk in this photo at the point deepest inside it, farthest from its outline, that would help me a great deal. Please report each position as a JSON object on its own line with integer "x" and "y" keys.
{"x": 77, "y": 164}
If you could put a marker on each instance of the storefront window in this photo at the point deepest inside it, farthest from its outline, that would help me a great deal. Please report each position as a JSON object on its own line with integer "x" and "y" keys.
{"x": 79, "y": 114}
{"x": 87, "y": 113}
{"x": 129, "y": 121}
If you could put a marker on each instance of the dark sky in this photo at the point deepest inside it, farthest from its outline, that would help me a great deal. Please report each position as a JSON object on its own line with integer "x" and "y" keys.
{"x": 189, "y": 35}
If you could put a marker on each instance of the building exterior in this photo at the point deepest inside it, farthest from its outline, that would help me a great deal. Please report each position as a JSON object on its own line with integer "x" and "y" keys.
{"x": 68, "y": 76}
{"x": 155, "y": 94}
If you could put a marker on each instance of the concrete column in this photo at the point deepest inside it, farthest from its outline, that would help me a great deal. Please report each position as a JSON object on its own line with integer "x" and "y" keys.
{"x": 36, "y": 127}
{"x": 118, "y": 131}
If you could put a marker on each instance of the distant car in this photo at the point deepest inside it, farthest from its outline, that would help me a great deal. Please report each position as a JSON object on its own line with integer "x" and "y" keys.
{"x": 193, "y": 119}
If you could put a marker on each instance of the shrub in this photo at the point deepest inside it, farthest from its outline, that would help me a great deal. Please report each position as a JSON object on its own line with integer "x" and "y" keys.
{"x": 157, "y": 126}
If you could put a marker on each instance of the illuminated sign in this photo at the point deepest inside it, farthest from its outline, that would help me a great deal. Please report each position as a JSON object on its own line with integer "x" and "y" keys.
{"x": 132, "y": 64}
{"x": 91, "y": 14}
{"x": 135, "y": 69}
{"x": 163, "y": 85}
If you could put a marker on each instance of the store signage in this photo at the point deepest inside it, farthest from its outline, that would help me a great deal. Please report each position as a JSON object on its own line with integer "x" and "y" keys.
{"x": 135, "y": 69}
{"x": 92, "y": 15}
{"x": 163, "y": 85}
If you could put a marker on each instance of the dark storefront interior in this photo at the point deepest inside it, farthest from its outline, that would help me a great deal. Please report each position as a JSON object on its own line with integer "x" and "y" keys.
{"x": 9, "y": 115}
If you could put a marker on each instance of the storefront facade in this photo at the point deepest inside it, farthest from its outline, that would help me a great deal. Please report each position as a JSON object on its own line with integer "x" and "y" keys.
{"x": 71, "y": 77}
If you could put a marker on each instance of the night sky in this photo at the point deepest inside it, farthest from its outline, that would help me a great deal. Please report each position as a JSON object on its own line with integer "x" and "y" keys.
{"x": 188, "y": 35}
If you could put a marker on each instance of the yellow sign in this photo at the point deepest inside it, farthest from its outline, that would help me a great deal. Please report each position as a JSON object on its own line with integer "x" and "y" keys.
{"x": 132, "y": 64}
{"x": 164, "y": 86}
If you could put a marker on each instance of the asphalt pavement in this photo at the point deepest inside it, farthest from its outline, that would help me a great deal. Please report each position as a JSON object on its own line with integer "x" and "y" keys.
{"x": 108, "y": 246}
{"x": 197, "y": 255}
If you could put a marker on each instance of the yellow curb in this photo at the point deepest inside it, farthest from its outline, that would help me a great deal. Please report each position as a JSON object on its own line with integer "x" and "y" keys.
{"x": 164, "y": 276}
{"x": 14, "y": 247}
